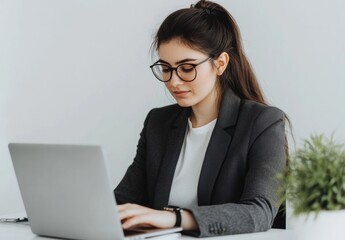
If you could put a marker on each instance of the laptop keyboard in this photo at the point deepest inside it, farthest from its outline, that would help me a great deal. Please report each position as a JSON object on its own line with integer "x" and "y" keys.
{"x": 129, "y": 232}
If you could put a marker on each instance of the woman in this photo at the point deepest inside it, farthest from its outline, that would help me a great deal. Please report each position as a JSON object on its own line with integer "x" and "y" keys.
{"x": 216, "y": 153}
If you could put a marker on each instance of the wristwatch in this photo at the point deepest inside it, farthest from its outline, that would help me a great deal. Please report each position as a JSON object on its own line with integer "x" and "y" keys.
{"x": 177, "y": 211}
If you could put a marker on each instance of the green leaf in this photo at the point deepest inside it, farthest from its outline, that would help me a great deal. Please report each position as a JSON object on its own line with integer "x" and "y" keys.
{"x": 315, "y": 178}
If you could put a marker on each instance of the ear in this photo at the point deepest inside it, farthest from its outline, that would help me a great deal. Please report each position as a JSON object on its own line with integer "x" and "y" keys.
{"x": 221, "y": 63}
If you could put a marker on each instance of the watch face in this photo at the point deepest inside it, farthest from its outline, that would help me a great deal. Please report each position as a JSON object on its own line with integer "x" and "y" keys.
{"x": 173, "y": 208}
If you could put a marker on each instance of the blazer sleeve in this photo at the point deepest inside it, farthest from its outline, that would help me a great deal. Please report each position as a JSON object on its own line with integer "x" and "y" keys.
{"x": 133, "y": 188}
{"x": 258, "y": 204}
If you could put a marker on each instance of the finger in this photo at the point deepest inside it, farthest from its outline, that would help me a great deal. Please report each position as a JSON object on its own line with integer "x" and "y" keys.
{"x": 125, "y": 206}
{"x": 128, "y": 213}
{"x": 159, "y": 219}
{"x": 137, "y": 221}
{"x": 132, "y": 211}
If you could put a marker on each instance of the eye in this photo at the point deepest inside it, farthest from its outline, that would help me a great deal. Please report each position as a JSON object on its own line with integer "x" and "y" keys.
{"x": 165, "y": 69}
{"x": 187, "y": 68}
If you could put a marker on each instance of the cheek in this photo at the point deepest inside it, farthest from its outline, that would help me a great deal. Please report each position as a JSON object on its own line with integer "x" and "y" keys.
{"x": 207, "y": 81}
{"x": 208, "y": 74}
{"x": 168, "y": 86}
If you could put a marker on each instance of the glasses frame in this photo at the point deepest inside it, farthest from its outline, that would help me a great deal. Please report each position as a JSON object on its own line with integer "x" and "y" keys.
{"x": 171, "y": 69}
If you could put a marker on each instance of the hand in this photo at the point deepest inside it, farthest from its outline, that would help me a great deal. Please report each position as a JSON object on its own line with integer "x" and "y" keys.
{"x": 133, "y": 215}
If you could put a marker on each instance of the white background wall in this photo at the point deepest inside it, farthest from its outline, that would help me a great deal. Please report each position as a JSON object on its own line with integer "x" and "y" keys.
{"x": 77, "y": 71}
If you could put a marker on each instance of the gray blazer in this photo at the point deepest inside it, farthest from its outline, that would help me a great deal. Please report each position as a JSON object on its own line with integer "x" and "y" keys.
{"x": 237, "y": 189}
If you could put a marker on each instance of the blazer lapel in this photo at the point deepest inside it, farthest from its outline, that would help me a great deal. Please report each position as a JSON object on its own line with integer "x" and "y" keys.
{"x": 218, "y": 147}
{"x": 167, "y": 169}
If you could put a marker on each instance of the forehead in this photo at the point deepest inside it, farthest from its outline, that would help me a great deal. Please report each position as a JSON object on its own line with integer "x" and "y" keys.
{"x": 175, "y": 50}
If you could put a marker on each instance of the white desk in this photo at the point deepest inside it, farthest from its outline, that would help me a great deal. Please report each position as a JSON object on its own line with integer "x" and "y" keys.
{"x": 22, "y": 231}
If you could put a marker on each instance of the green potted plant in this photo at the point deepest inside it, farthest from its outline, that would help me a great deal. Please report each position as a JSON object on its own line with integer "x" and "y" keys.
{"x": 315, "y": 189}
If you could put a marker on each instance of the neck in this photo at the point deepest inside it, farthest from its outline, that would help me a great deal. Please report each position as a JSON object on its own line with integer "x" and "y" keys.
{"x": 204, "y": 113}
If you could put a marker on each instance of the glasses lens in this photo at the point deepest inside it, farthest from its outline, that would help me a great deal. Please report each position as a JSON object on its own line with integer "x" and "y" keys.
{"x": 162, "y": 72}
{"x": 186, "y": 72}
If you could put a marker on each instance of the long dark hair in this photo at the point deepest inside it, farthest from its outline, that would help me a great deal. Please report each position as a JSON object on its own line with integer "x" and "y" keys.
{"x": 210, "y": 28}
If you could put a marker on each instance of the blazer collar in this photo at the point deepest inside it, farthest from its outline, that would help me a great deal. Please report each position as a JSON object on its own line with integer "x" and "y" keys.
{"x": 182, "y": 117}
{"x": 218, "y": 147}
{"x": 167, "y": 167}
{"x": 229, "y": 109}
{"x": 227, "y": 115}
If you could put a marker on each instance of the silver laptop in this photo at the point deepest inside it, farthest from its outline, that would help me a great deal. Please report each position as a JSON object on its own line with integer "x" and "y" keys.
{"x": 67, "y": 194}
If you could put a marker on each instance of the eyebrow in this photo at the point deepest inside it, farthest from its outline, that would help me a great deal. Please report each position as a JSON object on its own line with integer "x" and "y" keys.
{"x": 178, "y": 62}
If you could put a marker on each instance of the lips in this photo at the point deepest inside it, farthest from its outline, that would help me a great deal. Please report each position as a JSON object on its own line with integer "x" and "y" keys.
{"x": 181, "y": 93}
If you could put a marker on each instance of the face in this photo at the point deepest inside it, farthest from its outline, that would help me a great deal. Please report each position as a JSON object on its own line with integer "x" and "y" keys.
{"x": 201, "y": 91}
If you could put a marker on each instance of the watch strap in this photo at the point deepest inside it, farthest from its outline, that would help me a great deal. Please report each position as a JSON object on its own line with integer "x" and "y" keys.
{"x": 177, "y": 211}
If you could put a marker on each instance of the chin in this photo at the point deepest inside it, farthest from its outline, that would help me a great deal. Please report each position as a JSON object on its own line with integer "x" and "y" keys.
{"x": 184, "y": 103}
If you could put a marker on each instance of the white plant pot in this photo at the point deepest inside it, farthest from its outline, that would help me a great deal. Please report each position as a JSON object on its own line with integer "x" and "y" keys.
{"x": 327, "y": 225}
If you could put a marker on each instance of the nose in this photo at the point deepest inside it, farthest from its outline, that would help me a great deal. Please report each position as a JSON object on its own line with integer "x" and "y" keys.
{"x": 175, "y": 80}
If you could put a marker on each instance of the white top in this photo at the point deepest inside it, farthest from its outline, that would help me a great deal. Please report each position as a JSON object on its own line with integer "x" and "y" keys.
{"x": 184, "y": 189}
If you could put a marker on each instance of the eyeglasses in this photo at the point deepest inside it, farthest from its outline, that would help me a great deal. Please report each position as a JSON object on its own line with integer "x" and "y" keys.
{"x": 185, "y": 71}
